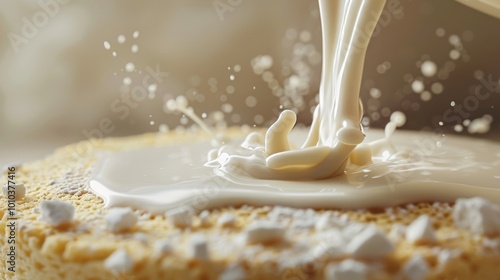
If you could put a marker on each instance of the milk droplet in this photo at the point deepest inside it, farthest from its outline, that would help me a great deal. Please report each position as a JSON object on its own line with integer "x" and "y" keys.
{"x": 136, "y": 34}
{"x": 134, "y": 48}
{"x": 121, "y": 39}
{"x": 417, "y": 86}
{"x": 429, "y": 68}
{"x": 127, "y": 81}
{"x": 130, "y": 67}
{"x": 107, "y": 45}
{"x": 152, "y": 88}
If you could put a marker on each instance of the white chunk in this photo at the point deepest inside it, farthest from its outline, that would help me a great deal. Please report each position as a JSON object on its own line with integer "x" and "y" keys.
{"x": 163, "y": 247}
{"x": 198, "y": 247}
{"x": 120, "y": 219}
{"x": 119, "y": 261}
{"x": 234, "y": 272}
{"x": 346, "y": 270}
{"x": 416, "y": 268}
{"x": 323, "y": 222}
{"x": 264, "y": 232}
{"x": 370, "y": 243}
{"x": 477, "y": 215}
{"x": 421, "y": 230}
{"x": 17, "y": 192}
{"x": 180, "y": 217}
{"x": 56, "y": 213}
{"x": 205, "y": 218}
{"x": 446, "y": 254}
{"x": 226, "y": 220}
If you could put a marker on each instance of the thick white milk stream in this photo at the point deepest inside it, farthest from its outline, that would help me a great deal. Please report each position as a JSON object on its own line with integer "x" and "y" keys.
{"x": 330, "y": 170}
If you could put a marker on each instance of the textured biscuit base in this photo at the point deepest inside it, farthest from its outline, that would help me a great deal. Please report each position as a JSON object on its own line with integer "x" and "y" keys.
{"x": 79, "y": 250}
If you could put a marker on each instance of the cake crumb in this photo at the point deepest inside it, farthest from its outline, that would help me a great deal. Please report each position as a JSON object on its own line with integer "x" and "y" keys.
{"x": 416, "y": 268}
{"x": 233, "y": 272}
{"x": 120, "y": 219}
{"x": 264, "y": 232}
{"x": 421, "y": 230}
{"x": 18, "y": 191}
{"x": 226, "y": 220}
{"x": 346, "y": 270}
{"x": 56, "y": 213}
{"x": 370, "y": 243}
{"x": 163, "y": 247}
{"x": 180, "y": 217}
{"x": 198, "y": 248}
{"x": 119, "y": 262}
{"x": 477, "y": 215}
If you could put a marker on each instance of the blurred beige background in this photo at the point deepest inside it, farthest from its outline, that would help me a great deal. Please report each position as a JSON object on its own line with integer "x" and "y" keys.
{"x": 58, "y": 81}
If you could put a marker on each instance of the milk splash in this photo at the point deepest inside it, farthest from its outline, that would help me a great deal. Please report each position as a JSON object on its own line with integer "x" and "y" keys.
{"x": 336, "y": 130}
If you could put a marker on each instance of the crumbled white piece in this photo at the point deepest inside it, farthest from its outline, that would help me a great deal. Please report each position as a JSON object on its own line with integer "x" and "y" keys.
{"x": 180, "y": 217}
{"x": 163, "y": 247}
{"x": 398, "y": 231}
{"x": 56, "y": 213}
{"x": 421, "y": 230}
{"x": 370, "y": 243}
{"x": 233, "y": 272}
{"x": 446, "y": 254}
{"x": 119, "y": 262}
{"x": 205, "y": 218}
{"x": 226, "y": 220}
{"x": 264, "y": 232}
{"x": 141, "y": 237}
{"x": 18, "y": 191}
{"x": 352, "y": 230}
{"x": 198, "y": 247}
{"x": 331, "y": 245}
{"x": 477, "y": 215}
{"x": 416, "y": 268}
{"x": 326, "y": 221}
{"x": 302, "y": 224}
{"x": 346, "y": 270}
{"x": 120, "y": 219}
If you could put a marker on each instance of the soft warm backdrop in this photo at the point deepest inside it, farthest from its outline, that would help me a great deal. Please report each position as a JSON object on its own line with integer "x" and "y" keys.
{"x": 58, "y": 81}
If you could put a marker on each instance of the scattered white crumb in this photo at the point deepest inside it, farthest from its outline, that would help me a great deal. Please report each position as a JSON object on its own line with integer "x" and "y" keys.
{"x": 180, "y": 217}
{"x": 18, "y": 191}
{"x": 233, "y": 272}
{"x": 141, "y": 237}
{"x": 346, "y": 270}
{"x": 264, "y": 232}
{"x": 163, "y": 247}
{"x": 326, "y": 221}
{"x": 198, "y": 247}
{"x": 56, "y": 213}
{"x": 205, "y": 218}
{"x": 477, "y": 215}
{"x": 421, "y": 230}
{"x": 416, "y": 268}
{"x": 398, "y": 231}
{"x": 446, "y": 255}
{"x": 120, "y": 219}
{"x": 226, "y": 220}
{"x": 370, "y": 243}
{"x": 119, "y": 261}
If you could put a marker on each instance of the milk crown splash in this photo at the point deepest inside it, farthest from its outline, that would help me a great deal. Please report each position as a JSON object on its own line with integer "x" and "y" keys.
{"x": 336, "y": 130}
{"x": 378, "y": 175}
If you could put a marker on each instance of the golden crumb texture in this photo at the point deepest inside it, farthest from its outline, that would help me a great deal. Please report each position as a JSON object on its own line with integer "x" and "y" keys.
{"x": 78, "y": 251}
